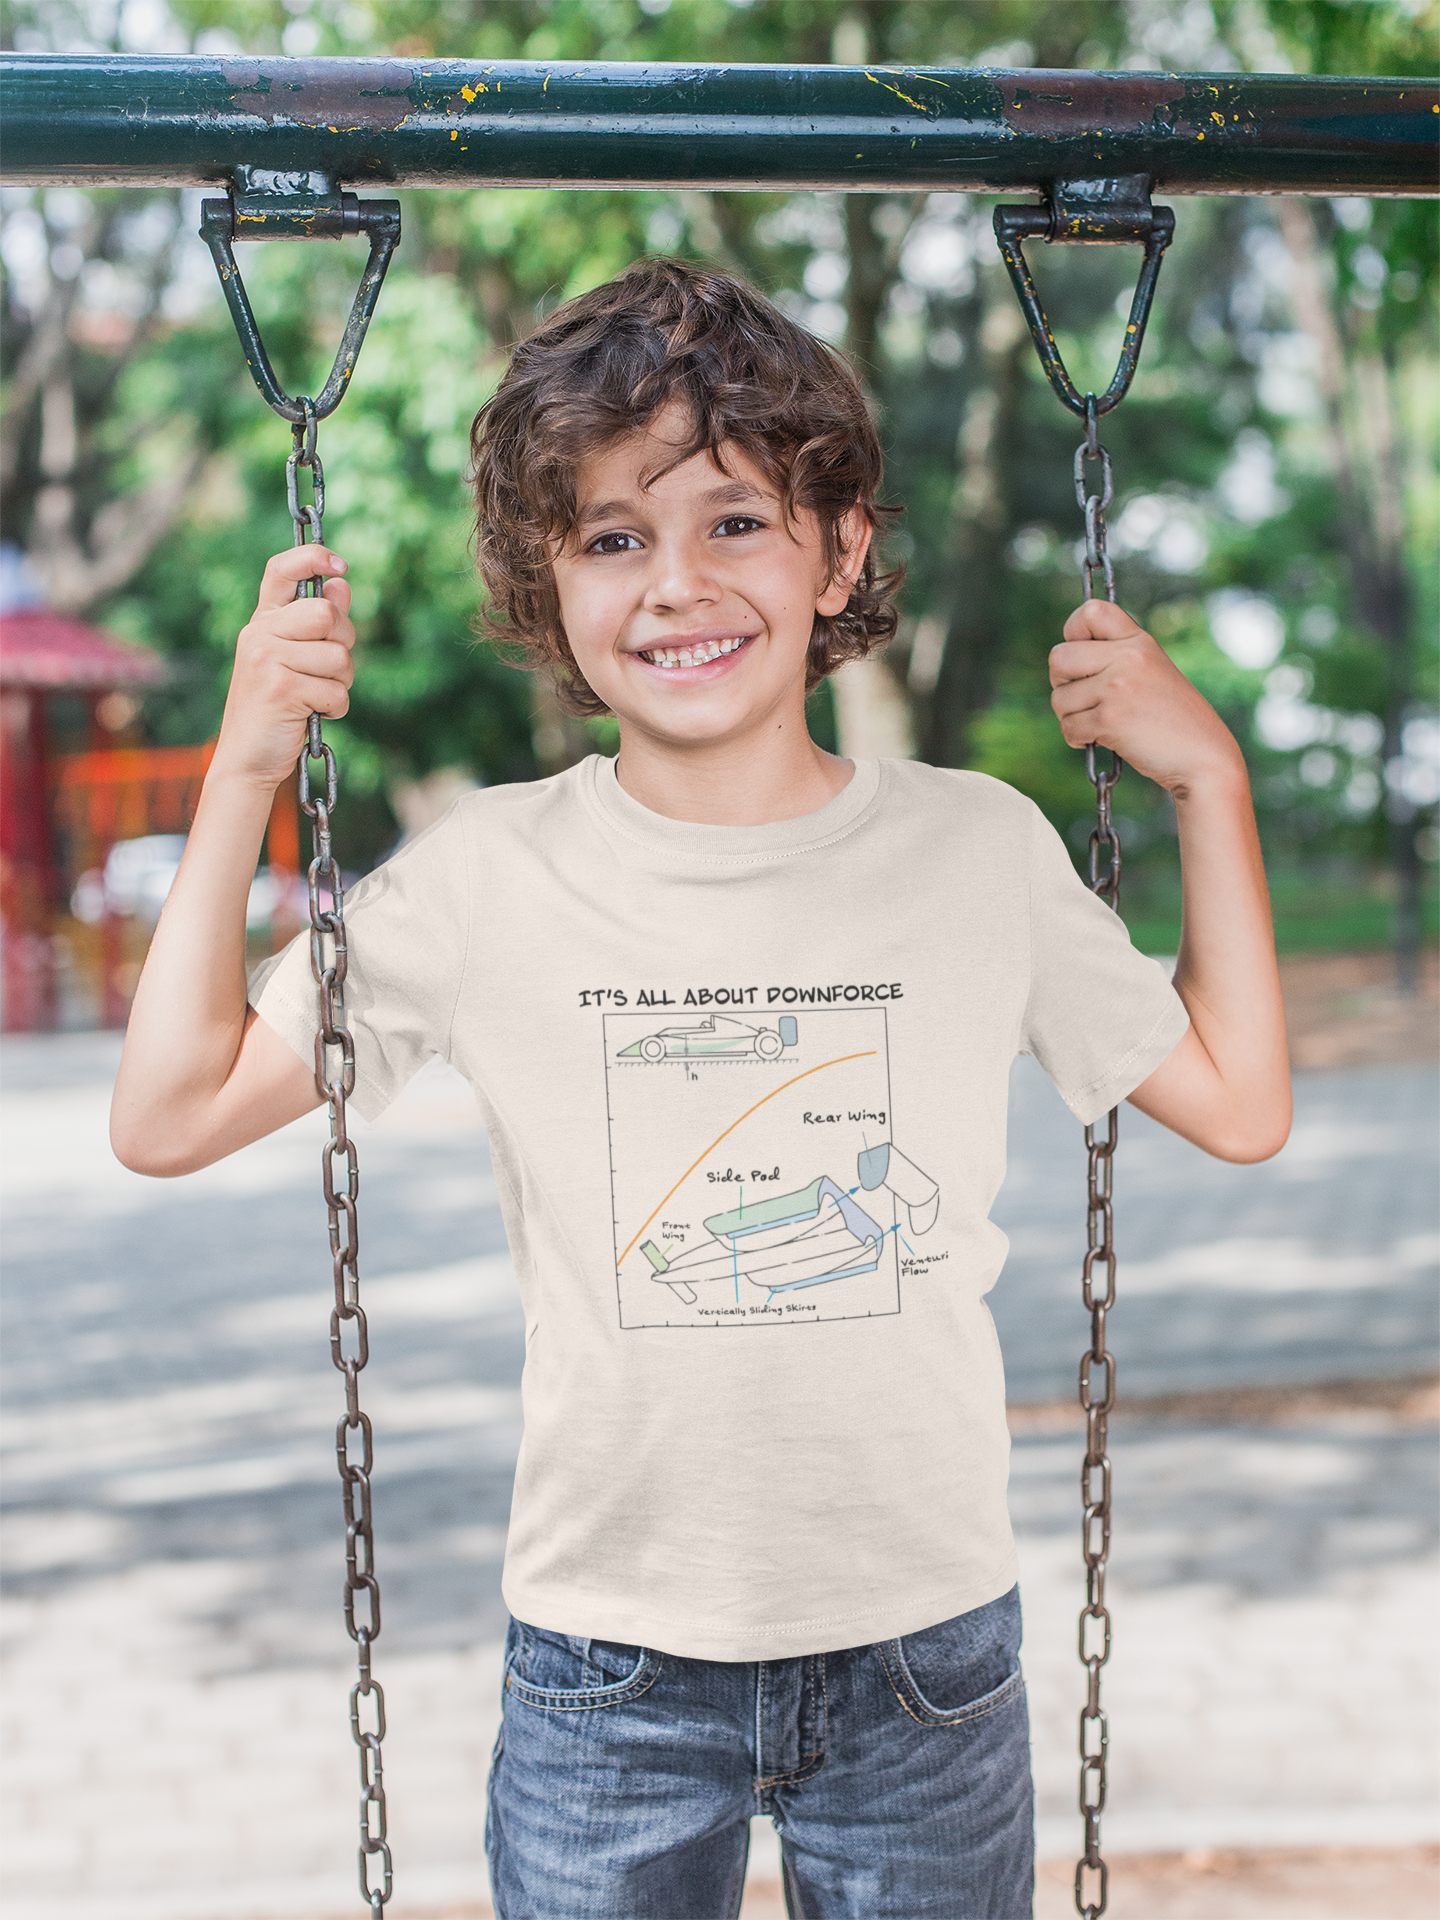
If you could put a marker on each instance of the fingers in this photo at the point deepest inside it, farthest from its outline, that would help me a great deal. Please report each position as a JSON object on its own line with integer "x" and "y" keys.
{"x": 1100, "y": 620}
{"x": 1089, "y": 646}
{"x": 289, "y": 680}
{"x": 1088, "y": 668}
{"x": 325, "y": 697}
{"x": 316, "y": 660}
{"x": 269, "y": 667}
{"x": 1077, "y": 708}
{"x": 1079, "y": 659}
{"x": 311, "y": 621}
{"x": 327, "y": 619}
{"x": 284, "y": 572}
{"x": 292, "y": 659}
{"x": 284, "y": 658}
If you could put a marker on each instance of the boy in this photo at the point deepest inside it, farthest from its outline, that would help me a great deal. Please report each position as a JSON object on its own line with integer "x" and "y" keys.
{"x": 740, "y": 1017}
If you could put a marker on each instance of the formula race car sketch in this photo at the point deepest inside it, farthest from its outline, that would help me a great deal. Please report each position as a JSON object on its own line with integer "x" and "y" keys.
{"x": 754, "y": 1179}
{"x": 717, "y": 1036}
{"x": 803, "y": 1239}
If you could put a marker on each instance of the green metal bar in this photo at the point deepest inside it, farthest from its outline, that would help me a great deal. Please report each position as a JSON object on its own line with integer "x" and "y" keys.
{"x": 103, "y": 119}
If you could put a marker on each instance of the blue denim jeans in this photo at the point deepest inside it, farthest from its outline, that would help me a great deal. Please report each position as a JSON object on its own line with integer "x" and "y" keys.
{"x": 898, "y": 1775}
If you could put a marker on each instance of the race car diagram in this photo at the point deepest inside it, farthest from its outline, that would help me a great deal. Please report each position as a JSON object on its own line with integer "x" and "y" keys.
{"x": 807, "y": 1238}
{"x": 754, "y": 1176}
{"x": 716, "y": 1037}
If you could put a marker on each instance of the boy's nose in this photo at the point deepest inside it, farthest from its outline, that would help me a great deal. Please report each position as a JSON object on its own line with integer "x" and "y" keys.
{"x": 681, "y": 579}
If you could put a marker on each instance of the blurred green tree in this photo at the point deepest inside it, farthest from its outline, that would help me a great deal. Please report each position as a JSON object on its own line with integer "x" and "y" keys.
{"x": 1360, "y": 273}
{"x": 1274, "y": 462}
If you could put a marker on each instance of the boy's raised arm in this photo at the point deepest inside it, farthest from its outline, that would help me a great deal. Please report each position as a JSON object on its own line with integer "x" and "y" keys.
{"x": 200, "y": 1074}
{"x": 1227, "y": 1085}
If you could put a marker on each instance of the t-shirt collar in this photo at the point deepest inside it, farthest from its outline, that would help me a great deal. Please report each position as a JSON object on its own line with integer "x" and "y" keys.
{"x": 729, "y": 845}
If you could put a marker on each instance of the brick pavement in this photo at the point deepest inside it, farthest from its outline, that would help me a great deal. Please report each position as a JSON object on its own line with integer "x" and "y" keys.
{"x": 176, "y": 1669}
{"x": 1318, "y": 1265}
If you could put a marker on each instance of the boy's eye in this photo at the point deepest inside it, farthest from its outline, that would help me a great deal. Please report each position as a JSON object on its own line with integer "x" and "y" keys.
{"x": 614, "y": 543}
{"x": 739, "y": 523}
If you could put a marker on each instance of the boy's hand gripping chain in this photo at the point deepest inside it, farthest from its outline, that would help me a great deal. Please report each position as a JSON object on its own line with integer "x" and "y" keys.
{"x": 310, "y": 207}
{"x": 1108, "y": 212}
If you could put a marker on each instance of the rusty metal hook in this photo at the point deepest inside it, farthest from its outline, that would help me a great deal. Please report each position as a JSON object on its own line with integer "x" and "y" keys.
{"x": 298, "y": 206}
{"x": 1095, "y": 213}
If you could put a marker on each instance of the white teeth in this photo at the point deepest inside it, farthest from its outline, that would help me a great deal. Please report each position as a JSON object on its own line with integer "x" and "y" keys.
{"x": 699, "y": 655}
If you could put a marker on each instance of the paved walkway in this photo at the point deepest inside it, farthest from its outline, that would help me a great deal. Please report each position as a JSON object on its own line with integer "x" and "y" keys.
{"x": 175, "y": 1741}
{"x": 1318, "y": 1265}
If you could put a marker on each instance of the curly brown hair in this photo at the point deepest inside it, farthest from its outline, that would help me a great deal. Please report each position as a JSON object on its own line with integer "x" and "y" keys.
{"x": 603, "y": 365}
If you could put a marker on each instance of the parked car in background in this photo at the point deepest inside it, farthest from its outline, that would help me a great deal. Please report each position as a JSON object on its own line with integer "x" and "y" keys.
{"x": 138, "y": 875}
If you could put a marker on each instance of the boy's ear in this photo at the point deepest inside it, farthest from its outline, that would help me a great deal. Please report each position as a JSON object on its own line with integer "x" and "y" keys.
{"x": 855, "y": 531}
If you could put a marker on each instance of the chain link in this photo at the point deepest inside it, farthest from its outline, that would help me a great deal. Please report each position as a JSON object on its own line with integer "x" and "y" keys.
{"x": 1097, "y": 1365}
{"x": 335, "y": 1078}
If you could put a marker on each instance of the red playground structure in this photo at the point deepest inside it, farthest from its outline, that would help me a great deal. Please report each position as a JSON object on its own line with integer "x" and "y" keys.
{"x": 88, "y": 839}
{"x": 44, "y": 655}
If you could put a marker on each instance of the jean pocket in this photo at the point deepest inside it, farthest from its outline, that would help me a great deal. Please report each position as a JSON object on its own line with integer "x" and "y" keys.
{"x": 566, "y": 1674}
{"x": 961, "y": 1669}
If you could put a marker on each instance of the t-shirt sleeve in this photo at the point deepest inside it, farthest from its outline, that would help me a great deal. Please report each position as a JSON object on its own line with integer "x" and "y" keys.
{"x": 407, "y": 934}
{"x": 1100, "y": 1017}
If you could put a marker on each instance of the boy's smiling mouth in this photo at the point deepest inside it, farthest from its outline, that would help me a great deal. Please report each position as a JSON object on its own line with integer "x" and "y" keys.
{"x": 696, "y": 653}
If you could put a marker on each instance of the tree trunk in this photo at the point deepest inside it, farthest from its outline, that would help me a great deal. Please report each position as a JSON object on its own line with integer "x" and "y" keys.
{"x": 1365, "y": 444}
{"x": 873, "y": 707}
{"x": 77, "y": 573}
{"x": 560, "y": 739}
{"x": 872, "y": 268}
{"x": 51, "y": 442}
{"x": 971, "y": 605}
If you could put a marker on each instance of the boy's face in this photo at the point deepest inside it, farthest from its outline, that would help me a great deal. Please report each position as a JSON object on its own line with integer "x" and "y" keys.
{"x": 689, "y": 605}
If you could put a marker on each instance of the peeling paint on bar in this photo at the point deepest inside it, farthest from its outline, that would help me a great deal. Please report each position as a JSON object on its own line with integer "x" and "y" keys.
{"x": 188, "y": 121}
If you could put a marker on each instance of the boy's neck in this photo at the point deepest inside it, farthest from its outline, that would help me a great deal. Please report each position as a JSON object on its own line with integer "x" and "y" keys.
{"x": 731, "y": 783}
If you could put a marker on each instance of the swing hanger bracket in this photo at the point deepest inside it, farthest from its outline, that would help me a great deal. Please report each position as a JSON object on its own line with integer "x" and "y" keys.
{"x": 1105, "y": 212}
{"x": 263, "y": 204}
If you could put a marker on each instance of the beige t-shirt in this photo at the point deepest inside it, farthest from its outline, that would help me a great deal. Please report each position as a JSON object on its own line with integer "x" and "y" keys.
{"x": 746, "y": 1095}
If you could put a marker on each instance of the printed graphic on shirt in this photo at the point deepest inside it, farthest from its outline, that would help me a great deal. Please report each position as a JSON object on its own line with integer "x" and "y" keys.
{"x": 754, "y": 1176}
{"x": 716, "y": 1037}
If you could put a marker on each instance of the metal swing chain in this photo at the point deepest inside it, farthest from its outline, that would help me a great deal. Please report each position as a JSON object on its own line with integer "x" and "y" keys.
{"x": 340, "y": 1205}
{"x": 1097, "y": 1396}
{"x": 1088, "y": 212}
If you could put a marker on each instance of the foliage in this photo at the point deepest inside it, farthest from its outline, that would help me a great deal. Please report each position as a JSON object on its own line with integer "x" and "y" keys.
{"x": 1230, "y": 524}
